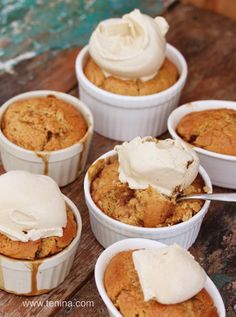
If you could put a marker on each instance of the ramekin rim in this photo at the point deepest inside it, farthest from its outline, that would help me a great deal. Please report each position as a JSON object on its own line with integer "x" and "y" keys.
{"x": 60, "y": 254}
{"x": 90, "y": 123}
{"x": 136, "y": 229}
{"x": 117, "y": 97}
{"x": 174, "y": 135}
{"x": 219, "y": 304}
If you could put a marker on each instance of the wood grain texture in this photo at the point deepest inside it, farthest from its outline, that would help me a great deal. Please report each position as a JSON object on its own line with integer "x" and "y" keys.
{"x": 52, "y": 70}
{"x": 211, "y": 59}
{"x": 85, "y": 294}
{"x": 224, "y": 7}
{"x": 207, "y": 41}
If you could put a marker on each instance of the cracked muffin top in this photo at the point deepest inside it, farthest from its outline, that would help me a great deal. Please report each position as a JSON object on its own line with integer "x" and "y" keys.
{"x": 43, "y": 124}
{"x": 213, "y": 130}
{"x": 124, "y": 289}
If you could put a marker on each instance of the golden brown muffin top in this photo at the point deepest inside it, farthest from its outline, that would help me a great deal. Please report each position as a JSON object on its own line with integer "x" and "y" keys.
{"x": 123, "y": 288}
{"x": 165, "y": 78}
{"x": 213, "y": 130}
{"x": 41, "y": 248}
{"x": 43, "y": 124}
{"x": 144, "y": 208}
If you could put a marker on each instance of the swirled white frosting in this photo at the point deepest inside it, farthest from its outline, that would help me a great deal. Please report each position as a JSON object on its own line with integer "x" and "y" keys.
{"x": 168, "y": 165}
{"x": 130, "y": 47}
{"x": 31, "y": 206}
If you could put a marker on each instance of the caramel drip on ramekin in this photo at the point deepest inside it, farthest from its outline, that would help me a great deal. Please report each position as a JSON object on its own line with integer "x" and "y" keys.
{"x": 45, "y": 158}
{"x": 34, "y": 271}
{"x": 84, "y": 142}
{"x": 34, "y": 287}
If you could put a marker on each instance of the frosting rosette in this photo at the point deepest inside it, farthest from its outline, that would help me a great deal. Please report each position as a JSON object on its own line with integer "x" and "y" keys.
{"x": 130, "y": 47}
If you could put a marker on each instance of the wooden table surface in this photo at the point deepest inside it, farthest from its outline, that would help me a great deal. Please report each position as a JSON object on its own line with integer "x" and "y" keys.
{"x": 208, "y": 42}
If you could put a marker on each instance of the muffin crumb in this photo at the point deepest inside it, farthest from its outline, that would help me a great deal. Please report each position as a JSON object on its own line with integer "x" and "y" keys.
{"x": 145, "y": 208}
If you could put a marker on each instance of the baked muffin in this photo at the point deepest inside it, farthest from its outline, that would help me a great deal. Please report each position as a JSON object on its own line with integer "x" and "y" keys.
{"x": 142, "y": 207}
{"x": 41, "y": 248}
{"x": 127, "y": 56}
{"x": 123, "y": 288}
{"x": 213, "y": 130}
{"x": 165, "y": 78}
{"x": 43, "y": 124}
{"x": 35, "y": 220}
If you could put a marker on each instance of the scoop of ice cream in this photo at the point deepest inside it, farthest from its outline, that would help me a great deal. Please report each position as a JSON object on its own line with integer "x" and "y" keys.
{"x": 31, "y": 206}
{"x": 169, "y": 275}
{"x": 168, "y": 165}
{"x": 130, "y": 47}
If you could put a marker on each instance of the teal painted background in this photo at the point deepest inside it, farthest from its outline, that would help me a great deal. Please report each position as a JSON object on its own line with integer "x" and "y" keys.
{"x": 31, "y": 27}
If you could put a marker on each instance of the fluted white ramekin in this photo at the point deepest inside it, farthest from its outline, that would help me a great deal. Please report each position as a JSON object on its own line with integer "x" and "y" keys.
{"x": 25, "y": 277}
{"x": 134, "y": 244}
{"x": 108, "y": 230}
{"x": 220, "y": 167}
{"x": 64, "y": 165}
{"x": 124, "y": 117}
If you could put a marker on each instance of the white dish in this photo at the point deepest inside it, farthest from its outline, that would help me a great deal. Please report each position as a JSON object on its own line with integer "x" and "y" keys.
{"x": 124, "y": 117}
{"x": 131, "y": 244}
{"x": 65, "y": 165}
{"x": 220, "y": 167}
{"x": 108, "y": 230}
{"x": 23, "y": 277}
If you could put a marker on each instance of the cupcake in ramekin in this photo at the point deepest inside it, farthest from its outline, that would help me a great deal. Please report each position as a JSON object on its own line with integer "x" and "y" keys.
{"x": 140, "y": 277}
{"x": 39, "y": 233}
{"x": 210, "y": 127}
{"x": 132, "y": 192}
{"x": 46, "y": 132}
{"x": 129, "y": 77}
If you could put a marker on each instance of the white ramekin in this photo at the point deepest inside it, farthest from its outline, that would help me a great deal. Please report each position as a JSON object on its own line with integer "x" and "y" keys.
{"x": 29, "y": 278}
{"x": 220, "y": 167}
{"x": 132, "y": 244}
{"x": 124, "y": 117}
{"x": 64, "y": 165}
{"x": 108, "y": 230}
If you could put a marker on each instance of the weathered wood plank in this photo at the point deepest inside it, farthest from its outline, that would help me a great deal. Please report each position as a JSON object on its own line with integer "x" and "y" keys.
{"x": 52, "y": 70}
{"x": 206, "y": 40}
{"x": 227, "y": 8}
{"x": 92, "y": 302}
